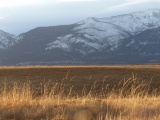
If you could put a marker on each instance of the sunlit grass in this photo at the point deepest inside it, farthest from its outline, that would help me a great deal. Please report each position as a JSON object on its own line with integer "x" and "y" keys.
{"x": 129, "y": 100}
{"x": 83, "y": 66}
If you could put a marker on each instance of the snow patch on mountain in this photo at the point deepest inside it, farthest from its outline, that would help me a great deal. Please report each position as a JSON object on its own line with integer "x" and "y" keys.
{"x": 59, "y": 43}
{"x": 6, "y": 40}
{"x": 130, "y": 43}
{"x": 19, "y": 38}
{"x": 66, "y": 42}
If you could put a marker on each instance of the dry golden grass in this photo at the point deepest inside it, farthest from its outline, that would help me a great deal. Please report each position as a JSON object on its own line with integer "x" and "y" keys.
{"x": 129, "y": 100}
{"x": 85, "y": 66}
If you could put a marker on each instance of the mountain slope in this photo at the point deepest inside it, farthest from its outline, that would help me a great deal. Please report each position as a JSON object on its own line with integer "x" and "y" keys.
{"x": 31, "y": 46}
{"x": 141, "y": 48}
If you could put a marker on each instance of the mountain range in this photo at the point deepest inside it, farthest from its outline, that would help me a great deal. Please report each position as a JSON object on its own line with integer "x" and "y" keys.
{"x": 124, "y": 39}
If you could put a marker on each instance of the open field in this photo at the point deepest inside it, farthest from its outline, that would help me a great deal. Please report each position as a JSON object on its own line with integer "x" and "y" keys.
{"x": 81, "y": 75}
{"x": 92, "y": 92}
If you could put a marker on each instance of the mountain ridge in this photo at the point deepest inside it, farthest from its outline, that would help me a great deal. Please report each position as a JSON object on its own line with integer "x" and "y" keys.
{"x": 110, "y": 40}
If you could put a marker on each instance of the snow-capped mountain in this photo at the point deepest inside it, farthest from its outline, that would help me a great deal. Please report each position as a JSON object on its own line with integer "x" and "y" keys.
{"x": 6, "y": 40}
{"x": 129, "y": 38}
{"x": 98, "y": 33}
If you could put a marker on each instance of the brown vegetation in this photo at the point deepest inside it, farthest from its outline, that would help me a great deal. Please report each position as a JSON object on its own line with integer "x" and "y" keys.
{"x": 132, "y": 98}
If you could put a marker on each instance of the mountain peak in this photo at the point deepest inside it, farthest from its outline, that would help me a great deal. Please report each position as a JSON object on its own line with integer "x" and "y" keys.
{"x": 152, "y": 13}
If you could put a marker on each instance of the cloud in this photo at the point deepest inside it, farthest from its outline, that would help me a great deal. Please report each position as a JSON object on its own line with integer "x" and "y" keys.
{"x": 143, "y": 0}
{"x": 76, "y": 0}
{"x": 131, "y": 3}
{"x": 12, "y": 3}
{"x": 3, "y": 17}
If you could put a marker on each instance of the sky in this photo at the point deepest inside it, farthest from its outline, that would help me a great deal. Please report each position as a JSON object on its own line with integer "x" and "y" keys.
{"x": 19, "y": 16}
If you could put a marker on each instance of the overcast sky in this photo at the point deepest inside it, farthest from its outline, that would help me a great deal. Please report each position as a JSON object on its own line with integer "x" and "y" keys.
{"x": 18, "y": 16}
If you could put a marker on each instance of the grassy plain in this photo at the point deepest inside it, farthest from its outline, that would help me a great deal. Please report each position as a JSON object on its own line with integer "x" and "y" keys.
{"x": 94, "y": 92}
